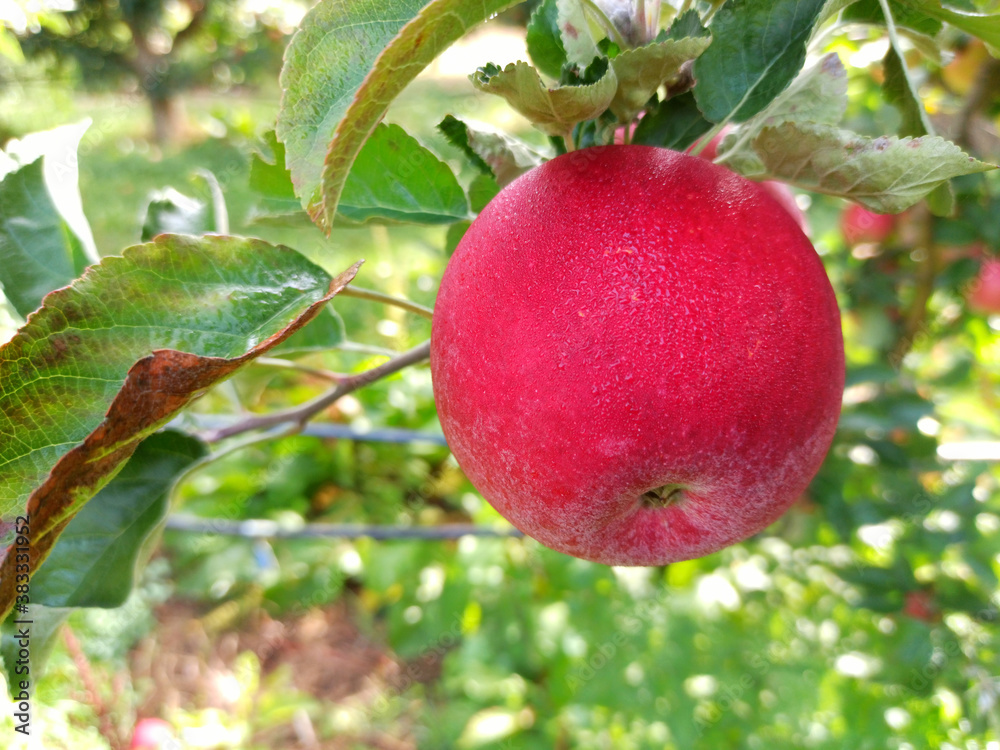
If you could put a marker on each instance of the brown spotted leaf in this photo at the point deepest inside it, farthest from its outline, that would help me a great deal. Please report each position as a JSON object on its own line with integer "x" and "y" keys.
{"x": 113, "y": 357}
{"x": 885, "y": 174}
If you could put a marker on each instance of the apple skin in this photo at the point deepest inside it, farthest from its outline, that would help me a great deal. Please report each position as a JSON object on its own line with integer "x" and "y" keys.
{"x": 858, "y": 225}
{"x": 778, "y": 190}
{"x": 624, "y": 318}
{"x": 984, "y": 294}
{"x": 151, "y": 734}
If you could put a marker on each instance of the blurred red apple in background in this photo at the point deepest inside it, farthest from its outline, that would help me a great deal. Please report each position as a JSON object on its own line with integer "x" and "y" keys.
{"x": 920, "y": 605}
{"x": 858, "y": 225}
{"x": 984, "y": 292}
{"x": 153, "y": 734}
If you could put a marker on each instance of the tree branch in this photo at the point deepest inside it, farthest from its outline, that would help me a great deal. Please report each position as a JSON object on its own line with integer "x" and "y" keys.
{"x": 371, "y": 294}
{"x": 107, "y": 725}
{"x": 302, "y": 414}
{"x": 287, "y": 364}
{"x": 199, "y": 12}
{"x": 980, "y": 95}
{"x": 927, "y": 269}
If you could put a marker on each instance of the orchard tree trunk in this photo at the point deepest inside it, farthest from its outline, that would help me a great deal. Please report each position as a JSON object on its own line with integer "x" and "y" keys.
{"x": 153, "y": 71}
{"x": 168, "y": 117}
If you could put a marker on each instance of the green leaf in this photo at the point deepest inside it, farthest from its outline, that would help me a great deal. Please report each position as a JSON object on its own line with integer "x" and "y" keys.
{"x": 44, "y": 626}
{"x": 675, "y": 124}
{"x": 687, "y": 24}
{"x": 897, "y": 578}
{"x": 897, "y": 92}
{"x": 986, "y": 26}
{"x": 45, "y": 240}
{"x": 584, "y": 75}
{"x": 885, "y": 174}
{"x": 898, "y": 88}
{"x": 574, "y": 29}
{"x": 172, "y": 212}
{"x": 344, "y": 66}
{"x": 393, "y": 179}
{"x": 93, "y": 563}
{"x": 396, "y": 179}
{"x": 272, "y": 182}
{"x": 599, "y": 132}
{"x": 493, "y": 152}
{"x": 454, "y": 235}
{"x": 60, "y": 167}
{"x": 482, "y": 190}
{"x": 941, "y": 200}
{"x": 758, "y": 48}
{"x": 269, "y": 177}
{"x": 553, "y": 111}
{"x": 641, "y": 71}
{"x": 545, "y": 45}
{"x": 817, "y": 96}
{"x": 870, "y": 12}
{"x": 110, "y": 359}
{"x": 36, "y": 254}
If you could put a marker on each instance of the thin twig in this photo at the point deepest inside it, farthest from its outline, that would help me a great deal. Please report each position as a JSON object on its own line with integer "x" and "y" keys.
{"x": 288, "y": 364}
{"x": 387, "y": 299}
{"x": 927, "y": 269}
{"x": 980, "y": 95}
{"x": 357, "y": 348}
{"x": 107, "y": 726}
{"x": 302, "y": 414}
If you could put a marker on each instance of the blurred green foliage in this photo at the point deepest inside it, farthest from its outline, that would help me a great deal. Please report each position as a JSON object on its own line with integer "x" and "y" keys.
{"x": 867, "y": 617}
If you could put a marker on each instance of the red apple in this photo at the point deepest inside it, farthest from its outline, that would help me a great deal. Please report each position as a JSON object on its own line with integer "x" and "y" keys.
{"x": 777, "y": 190}
{"x": 984, "y": 293}
{"x": 920, "y": 605}
{"x": 858, "y": 225}
{"x": 637, "y": 356}
{"x": 152, "y": 734}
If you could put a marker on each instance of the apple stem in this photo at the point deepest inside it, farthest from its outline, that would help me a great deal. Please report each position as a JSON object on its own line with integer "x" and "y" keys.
{"x": 568, "y": 140}
{"x": 707, "y": 138}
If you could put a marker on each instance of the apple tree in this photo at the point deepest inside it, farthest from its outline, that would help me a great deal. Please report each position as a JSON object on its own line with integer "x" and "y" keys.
{"x": 101, "y": 386}
{"x": 161, "y": 48}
